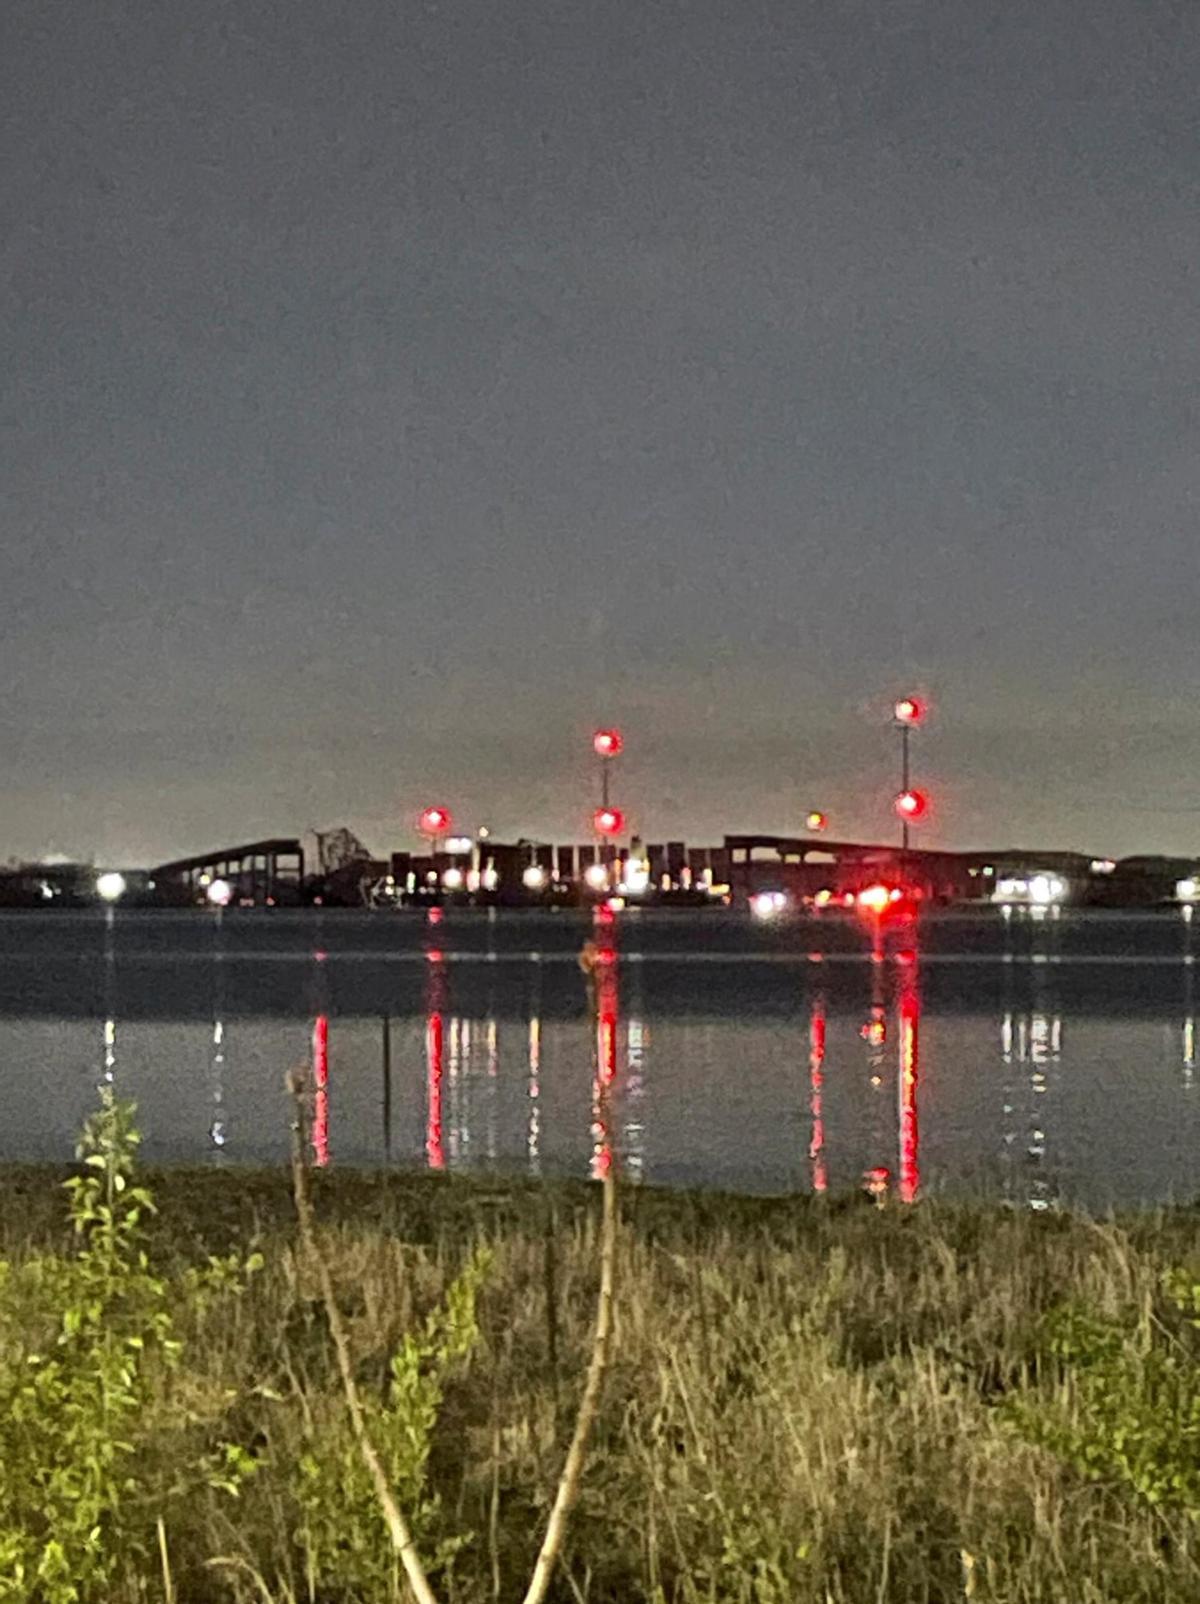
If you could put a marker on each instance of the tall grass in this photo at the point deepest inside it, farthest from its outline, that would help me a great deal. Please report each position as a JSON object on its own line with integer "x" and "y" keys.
{"x": 806, "y": 1401}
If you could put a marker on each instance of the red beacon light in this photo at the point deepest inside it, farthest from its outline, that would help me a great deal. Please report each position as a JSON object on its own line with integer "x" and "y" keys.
{"x": 607, "y": 743}
{"x": 909, "y": 711}
{"x": 911, "y": 805}
{"x": 608, "y": 821}
{"x": 435, "y": 821}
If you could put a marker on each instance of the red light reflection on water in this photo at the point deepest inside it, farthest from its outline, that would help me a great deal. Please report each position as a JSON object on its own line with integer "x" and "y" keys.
{"x": 910, "y": 1015}
{"x": 435, "y": 996}
{"x": 816, "y": 1082}
{"x": 320, "y": 1062}
{"x": 602, "y": 963}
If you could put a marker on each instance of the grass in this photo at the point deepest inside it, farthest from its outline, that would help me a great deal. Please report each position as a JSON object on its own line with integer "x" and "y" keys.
{"x": 807, "y": 1401}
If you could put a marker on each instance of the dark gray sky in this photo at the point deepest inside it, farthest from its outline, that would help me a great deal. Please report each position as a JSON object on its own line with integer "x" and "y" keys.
{"x": 390, "y": 391}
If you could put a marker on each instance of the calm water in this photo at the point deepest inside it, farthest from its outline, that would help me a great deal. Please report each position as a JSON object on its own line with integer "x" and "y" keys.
{"x": 1041, "y": 1060}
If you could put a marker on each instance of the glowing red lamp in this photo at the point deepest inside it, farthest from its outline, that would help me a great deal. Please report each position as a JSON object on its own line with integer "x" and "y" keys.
{"x": 607, "y": 743}
{"x": 435, "y": 821}
{"x": 817, "y": 820}
{"x": 911, "y": 805}
{"x": 608, "y": 821}
{"x": 909, "y": 711}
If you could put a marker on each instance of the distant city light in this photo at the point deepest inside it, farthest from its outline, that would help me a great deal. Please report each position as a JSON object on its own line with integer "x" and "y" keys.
{"x": 534, "y": 877}
{"x": 219, "y": 893}
{"x": 111, "y": 887}
{"x": 1042, "y": 890}
{"x": 453, "y": 879}
{"x": 1187, "y": 890}
{"x": 484, "y": 832}
{"x": 911, "y": 804}
{"x": 909, "y": 710}
{"x": 1045, "y": 889}
{"x": 817, "y": 821}
{"x": 1103, "y": 866}
{"x": 636, "y": 879}
{"x": 608, "y": 821}
{"x": 459, "y": 844}
{"x": 875, "y": 898}
{"x": 607, "y": 743}
{"x": 435, "y": 821}
{"x": 596, "y": 876}
{"x": 767, "y": 904}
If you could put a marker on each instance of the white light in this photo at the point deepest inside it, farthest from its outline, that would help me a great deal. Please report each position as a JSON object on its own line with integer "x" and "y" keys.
{"x": 534, "y": 877}
{"x": 490, "y": 879}
{"x": 484, "y": 832}
{"x": 637, "y": 878}
{"x": 596, "y": 876}
{"x": 1045, "y": 889}
{"x": 220, "y": 893}
{"x": 111, "y": 887}
{"x": 766, "y": 904}
{"x": 452, "y": 879}
{"x": 458, "y": 844}
{"x": 1186, "y": 890}
{"x": 1103, "y": 866}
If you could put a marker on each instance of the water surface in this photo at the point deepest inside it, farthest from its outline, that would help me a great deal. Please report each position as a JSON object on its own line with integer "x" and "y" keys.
{"x": 1043, "y": 1060}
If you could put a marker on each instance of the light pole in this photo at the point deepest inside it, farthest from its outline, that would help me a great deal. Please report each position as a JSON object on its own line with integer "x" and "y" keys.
{"x": 607, "y": 821}
{"x": 910, "y": 805}
{"x": 434, "y": 823}
{"x": 607, "y": 744}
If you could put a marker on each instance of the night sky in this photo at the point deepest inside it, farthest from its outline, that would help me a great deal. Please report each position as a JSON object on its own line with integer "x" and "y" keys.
{"x": 392, "y": 391}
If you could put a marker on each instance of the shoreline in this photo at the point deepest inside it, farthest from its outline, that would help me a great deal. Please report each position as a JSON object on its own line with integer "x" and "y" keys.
{"x": 807, "y": 1399}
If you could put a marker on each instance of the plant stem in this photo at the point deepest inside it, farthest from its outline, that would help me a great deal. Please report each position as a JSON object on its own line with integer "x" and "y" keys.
{"x": 398, "y": 1528}
{"x": 589, "y": 1404}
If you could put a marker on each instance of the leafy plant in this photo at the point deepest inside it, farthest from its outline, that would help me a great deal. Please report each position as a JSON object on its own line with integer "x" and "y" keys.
{"x": 1129, "y": 1411}
{"x": 78, "y": 1337}
{"x": 342, "y": 1532}
{"x": 85, "y": 1338}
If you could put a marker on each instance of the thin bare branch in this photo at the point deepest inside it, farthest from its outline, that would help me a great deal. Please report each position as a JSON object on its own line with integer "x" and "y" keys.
{"x": 589, "y": 1404}
{"x": 398, "y": 1528}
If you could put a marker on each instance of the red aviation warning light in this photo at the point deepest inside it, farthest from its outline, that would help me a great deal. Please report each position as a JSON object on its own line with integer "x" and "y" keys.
{"x": 816, "y": 820}
{"x": 608, "y": 821}
{"x": 909, "y": 711}
{"x": 911, "y": 805}
{"x": 607, "y": 743}
{"x": 435, "y": 821}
